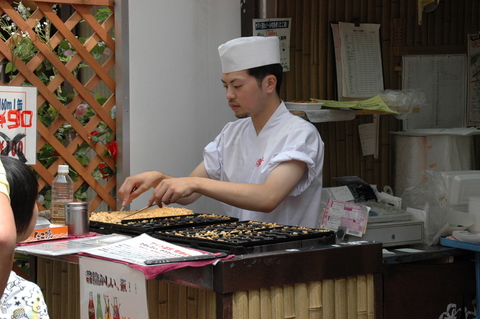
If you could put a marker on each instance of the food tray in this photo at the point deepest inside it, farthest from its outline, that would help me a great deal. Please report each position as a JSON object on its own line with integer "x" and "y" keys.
{"x": 247, "y": 237}
{"x": 101, "y": 228}
{"x": 303, "y": 106}
{"x": 147, "y": 225}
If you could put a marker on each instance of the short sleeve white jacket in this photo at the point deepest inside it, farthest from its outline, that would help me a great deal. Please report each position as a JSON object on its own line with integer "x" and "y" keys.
{"x": 238, "y": 155}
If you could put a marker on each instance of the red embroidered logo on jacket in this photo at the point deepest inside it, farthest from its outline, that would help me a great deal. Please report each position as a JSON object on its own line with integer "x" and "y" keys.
{"x": 259, "y": 162}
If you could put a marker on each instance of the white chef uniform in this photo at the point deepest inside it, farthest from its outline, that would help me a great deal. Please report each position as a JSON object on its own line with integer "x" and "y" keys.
{"x": 238, "y": 155}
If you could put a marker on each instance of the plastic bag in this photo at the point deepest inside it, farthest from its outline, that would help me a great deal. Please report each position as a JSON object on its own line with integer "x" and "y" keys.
{"x": 404, "y": 101}
{"x": 430, "y": 195}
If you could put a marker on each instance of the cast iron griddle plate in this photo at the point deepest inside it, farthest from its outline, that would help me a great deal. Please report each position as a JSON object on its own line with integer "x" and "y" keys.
{"x": 147, "y": 225}
{"x": 242, "y": 237}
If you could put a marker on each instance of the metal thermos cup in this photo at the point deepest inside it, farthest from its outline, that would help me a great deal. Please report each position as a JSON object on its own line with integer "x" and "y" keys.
{"x": 77, "y": 218}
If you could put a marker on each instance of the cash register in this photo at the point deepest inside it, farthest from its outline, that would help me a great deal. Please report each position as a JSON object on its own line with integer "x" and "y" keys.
{"x": 387, "y": 222}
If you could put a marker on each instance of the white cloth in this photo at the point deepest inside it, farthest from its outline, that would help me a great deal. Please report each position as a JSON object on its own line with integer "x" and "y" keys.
{"x": 238, "y": 155}
{"x": 249, "y": 52}
{"x": 22, "y": 299}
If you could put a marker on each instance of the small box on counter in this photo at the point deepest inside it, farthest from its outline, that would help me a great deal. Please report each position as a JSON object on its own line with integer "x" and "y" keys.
{"x": 52, "y": 231}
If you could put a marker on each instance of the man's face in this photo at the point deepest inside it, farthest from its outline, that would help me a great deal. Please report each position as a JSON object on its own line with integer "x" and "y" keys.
{"x": 245, "y": 97}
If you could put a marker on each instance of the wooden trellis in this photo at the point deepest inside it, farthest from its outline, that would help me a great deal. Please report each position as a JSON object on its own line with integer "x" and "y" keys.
{"x": 81, "y": 91}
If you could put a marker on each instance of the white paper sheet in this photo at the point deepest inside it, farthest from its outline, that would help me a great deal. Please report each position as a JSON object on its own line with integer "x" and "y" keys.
{"x": 279, "y": 27}
{"x": 367, "y": 138}
{"x": 72, "y": 246}
{"x": 141, "y": 248}
{"x": 359, "y": 60}
{"x": 443, "y": 79}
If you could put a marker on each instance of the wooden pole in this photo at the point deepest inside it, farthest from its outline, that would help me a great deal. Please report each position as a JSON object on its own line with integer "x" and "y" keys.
{"x": 315, "y": 300}
{"x": 240, "y": 305}
{"x": 328, "y": 294}
{"x": 341, "y": 298}
{"x": 362, "y": 302}
{"x": 254, "y": 309}
{"x": 289, "y": 301}
{"x": 370, "y": 297}
{"x": 301, "y": 300}
{"x": 277, "y": 303}
{"x": 352, "y": 297}
{"x": 265, "y": 303}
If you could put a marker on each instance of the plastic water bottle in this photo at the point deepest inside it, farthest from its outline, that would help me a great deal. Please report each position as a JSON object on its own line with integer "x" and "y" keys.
{"x": 62, "y": 193}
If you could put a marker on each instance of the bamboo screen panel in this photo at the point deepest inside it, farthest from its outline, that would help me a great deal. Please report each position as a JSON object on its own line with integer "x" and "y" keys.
{"x": 312, "y": 67}
{"x": 66, "y": 50}
{"x": 345, "y": 298}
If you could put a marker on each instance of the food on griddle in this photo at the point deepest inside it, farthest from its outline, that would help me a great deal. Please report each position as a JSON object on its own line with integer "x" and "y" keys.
{"x": 117, "y": 217}
{"x": 243, "y": 231}
{"x": 246, "y": 236}
{"x": 185, "y": 219}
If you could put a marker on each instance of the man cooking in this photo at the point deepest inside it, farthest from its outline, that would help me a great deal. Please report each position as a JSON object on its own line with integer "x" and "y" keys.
{"x": 265, "y": 166}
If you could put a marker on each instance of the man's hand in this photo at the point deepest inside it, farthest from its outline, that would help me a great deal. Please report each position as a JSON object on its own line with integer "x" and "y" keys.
{"x": 172, "y": 190}
{"x": 136, "y": 185}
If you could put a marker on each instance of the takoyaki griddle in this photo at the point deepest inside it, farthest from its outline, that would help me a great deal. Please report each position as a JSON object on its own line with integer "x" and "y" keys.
{"x": 148, "y": 225}
{"x": 247, "y": 237}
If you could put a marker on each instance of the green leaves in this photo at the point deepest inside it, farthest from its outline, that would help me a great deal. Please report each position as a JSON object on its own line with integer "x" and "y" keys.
{"x": 23, "y": 47}
{"x": 103, "y": 14}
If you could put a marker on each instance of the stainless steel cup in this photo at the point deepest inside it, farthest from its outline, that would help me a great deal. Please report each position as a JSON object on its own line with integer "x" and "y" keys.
{"x": 77, "y": 218}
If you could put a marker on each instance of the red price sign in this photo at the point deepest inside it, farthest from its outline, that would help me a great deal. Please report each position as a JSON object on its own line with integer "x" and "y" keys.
{"x": 16, "y": 118}
{"x": 18, "y": 122}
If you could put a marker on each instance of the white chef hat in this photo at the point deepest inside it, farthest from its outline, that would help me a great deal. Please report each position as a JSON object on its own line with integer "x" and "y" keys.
{"x": 249, "y": 52}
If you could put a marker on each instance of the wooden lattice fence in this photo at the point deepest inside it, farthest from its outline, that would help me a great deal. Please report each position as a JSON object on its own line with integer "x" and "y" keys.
{"x": 67, "y": 50}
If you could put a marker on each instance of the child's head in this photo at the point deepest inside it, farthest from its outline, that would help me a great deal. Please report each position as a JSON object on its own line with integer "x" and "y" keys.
{"x": 23, "y": 195}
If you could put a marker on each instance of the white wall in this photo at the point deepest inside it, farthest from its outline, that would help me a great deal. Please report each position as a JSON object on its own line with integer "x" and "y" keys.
{"x": 173, "y": 103}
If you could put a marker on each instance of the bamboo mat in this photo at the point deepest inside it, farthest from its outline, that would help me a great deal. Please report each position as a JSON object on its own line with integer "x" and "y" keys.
{"x": 342, "y": 298}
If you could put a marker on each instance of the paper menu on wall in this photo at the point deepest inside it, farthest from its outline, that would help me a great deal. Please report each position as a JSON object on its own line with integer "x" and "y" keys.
{"x": 350, "y": 215}
{"x": 279, "y": 27}
{"x": 443, "y": 79}
{"x": 358, "y": 60}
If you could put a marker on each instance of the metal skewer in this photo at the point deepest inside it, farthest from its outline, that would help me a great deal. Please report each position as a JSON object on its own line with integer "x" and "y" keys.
{"x": 138, "y": 211}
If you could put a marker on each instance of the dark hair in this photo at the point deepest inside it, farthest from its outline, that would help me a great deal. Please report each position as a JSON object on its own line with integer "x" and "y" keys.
{"x": 23, "y": 191}
{"x": 262, "y": 71}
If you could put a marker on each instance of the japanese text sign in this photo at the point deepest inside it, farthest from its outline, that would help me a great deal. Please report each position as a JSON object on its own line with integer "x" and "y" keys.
{"x": 18, "y": 122}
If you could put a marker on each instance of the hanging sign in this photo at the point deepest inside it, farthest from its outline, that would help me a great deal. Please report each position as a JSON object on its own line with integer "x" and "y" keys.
{"x": 279, "y": 27}
{"x": 18, "y": 122}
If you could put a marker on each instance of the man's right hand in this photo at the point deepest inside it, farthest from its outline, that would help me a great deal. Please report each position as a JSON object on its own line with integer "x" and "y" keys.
{"x": 136, "y": 185}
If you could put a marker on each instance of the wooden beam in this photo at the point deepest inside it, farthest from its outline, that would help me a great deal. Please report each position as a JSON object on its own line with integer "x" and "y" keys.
{"x": 84, "y": 2}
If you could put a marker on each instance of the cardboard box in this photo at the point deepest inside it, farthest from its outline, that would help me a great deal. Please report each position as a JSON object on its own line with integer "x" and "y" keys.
{"x": 53, "y": 231}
